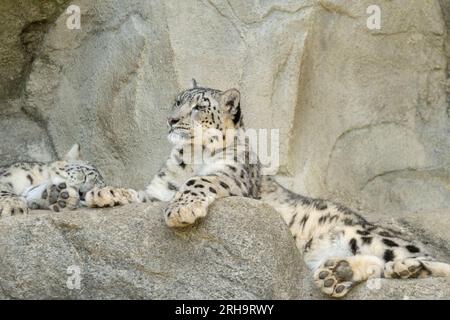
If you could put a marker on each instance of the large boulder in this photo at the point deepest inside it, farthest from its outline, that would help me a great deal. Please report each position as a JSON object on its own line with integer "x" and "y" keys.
{"x": 243, "y": 250}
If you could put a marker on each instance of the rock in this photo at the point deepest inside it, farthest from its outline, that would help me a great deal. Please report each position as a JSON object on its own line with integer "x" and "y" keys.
{"x": 23, "y": 140}
{"x": 431, "y": 226}
{"x": 355, "y": 160}
{"x": 243, "y": 250}
{"x": 391, "y": 289}
{"x": 371, "y": 102}
{"x": 24, "y": 24}
{"x": 362, "y": 114}
{"x": 410, "y": 289}
{"x": 428, "y": 227}
{"x": 354, "y": 106}
{"x": 108, "y": 86}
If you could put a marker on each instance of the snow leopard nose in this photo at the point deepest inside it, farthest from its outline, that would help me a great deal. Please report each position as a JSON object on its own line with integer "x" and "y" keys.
{"x": 172, "y": 121}
{"x": 82, "y": 195}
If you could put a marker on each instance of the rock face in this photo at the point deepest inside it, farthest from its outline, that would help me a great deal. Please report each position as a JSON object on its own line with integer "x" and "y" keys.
{"x": 362, "y": 113}
{"x": 24, "y": 140}
{"x": 373, "y": 107}
{"x": 242, "y": 251}
{"x": 23, "y": 25}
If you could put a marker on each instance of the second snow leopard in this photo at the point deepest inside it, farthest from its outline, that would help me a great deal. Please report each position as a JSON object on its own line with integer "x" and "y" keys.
{"x": 340, "y": 247}
{"x": 56, "y": 185}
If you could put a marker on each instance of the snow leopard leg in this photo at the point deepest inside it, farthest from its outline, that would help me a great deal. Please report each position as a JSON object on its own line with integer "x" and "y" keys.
{"x": 416, "y": 267}
{"x": 192, "y": 200}
{"x": 111, "y": 196}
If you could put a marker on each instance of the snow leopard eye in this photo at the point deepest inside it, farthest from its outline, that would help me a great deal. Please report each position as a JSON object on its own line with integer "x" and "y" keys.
{"x": 202, "y": 105}
{"x": 206, "y": 102}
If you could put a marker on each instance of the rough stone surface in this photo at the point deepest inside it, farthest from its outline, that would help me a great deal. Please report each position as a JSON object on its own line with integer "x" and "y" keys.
{"x": 364, "y": 115}
{"x": 25, "y": 141}
{"x": 359, "y": 111}
{"x": 409, "y": 191}
{"x": 387, "y": 289}
{"x": 390, "y": 289}
{"x": 371, "y": 102}
{"x": 242, "y": 251}
{"x": 23, "y": 25}
{"x": 109, "y": 86}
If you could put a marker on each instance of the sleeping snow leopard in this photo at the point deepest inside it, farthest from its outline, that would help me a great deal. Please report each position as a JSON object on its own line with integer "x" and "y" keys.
{"x": 339, "y": 246}
{"x": 56, "y": 185}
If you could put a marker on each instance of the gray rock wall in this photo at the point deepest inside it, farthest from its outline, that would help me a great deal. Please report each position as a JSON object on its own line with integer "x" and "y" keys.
{"x": 23, "y": 26}
{"x": 363, "y": 115}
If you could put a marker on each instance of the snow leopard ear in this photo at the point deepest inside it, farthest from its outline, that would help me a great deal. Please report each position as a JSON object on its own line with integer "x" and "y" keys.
{"x": 231, "y": 103}
{"x": 194, "y": 84}
{"x": 74, "y": 153}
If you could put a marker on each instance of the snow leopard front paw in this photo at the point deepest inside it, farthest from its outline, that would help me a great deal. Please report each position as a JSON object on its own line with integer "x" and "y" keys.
{"x": 110, "y": 197}
{"x": 12, "y": 205}
{"x": 182, "y": 214}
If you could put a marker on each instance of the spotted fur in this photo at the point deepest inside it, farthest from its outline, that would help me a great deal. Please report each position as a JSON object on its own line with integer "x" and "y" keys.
{"x": 343, "y": 248}
{"x": 56, "y": 185}
{"x": 340, "y": 246}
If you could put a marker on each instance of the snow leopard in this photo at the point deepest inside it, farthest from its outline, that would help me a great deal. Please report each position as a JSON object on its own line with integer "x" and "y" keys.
{"x": 339, "y": 245}
{"x": 57, "y": 185}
